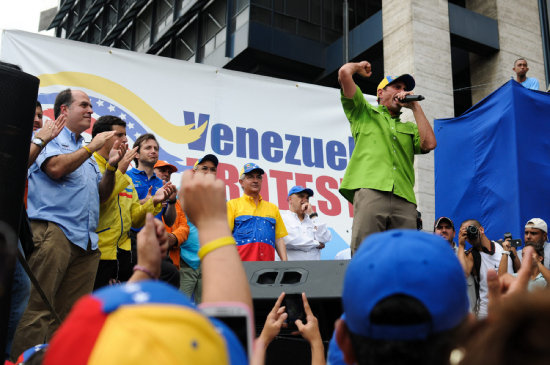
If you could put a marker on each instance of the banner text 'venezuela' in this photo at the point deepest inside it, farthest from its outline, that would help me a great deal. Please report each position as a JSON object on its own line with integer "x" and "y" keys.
{"x": 247, "y": 143}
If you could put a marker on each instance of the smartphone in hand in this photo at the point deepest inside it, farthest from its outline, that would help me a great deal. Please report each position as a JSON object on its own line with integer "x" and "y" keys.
{"x": 295, "y": 309}
{"x": 237, "y": 317}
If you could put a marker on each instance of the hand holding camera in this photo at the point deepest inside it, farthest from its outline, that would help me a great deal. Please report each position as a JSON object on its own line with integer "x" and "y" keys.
{"x": 470, "y": 233}
{"x": 511, "y": 242}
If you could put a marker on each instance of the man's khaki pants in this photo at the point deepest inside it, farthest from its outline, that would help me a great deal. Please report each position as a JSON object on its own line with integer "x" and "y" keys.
{"x": 65, "y": 272}
{"x": 378, "y": 211}
{"x": 191, "y": 281}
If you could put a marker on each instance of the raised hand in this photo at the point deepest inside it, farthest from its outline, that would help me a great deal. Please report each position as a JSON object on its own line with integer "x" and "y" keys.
{"x": 364, "y": 69}
{"x": 310, "y": 330}
{"x": 306, "y": 208}
{"x": 148, "y": 196}
{"x": 174, "y": 191}
{"x": 127, "y": 159}
{"x": 462, "y": 237}
{"x": 117, "y": 152}
{"x": 164, "y": 193}
{"x": 274, "y": 321}
{"x": 503, "y": 286}
{"x": 51, "y": 129}
{"x": 401, "y": 95}
{"x": 152, "y": 245}
{"x": 99, "y": 140}
{"x": 203, "y": 199}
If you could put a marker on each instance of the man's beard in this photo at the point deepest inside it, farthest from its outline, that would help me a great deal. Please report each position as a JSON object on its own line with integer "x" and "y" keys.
{"x": 539, "y": 244}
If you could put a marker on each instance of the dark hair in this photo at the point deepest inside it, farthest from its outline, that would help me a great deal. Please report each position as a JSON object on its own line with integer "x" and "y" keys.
{"x": 519, "y": 59}
{"x": 398, "y": 310}
{"x": 63, "y": 98}
{"x": 141, "y": 139}
{"x": 539, "y": 249}
{"x": 38, "y": 104}
{"x": 106, "y": 123}
{"x": 473, "y": 221}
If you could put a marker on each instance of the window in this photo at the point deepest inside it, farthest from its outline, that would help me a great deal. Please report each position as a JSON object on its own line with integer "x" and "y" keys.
{"x": 164, "y": 17}
{"x": 110, "y": 16}
{"x": 96, "y": 32}
{"x": 186, "y": 42}
{"x": 125, "y": 42}
{"x": 125, "y": 5}
{"x": 143, "y": 30}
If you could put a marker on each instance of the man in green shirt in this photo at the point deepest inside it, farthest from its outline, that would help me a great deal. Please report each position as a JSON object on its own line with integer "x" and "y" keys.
{"x": 379, "y": 179}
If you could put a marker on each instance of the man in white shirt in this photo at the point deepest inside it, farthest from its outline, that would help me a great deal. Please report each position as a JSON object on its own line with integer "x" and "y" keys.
{"x": 306, "y": 234}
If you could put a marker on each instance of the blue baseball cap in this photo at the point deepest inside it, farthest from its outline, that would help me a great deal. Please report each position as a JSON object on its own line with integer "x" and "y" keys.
{"x": 407, "y": 79}
{"x": 249, "y": 167}
{"x": 208, "y": 157}
{"x": 298, "y": 189}
{"x": 407, "y": 262}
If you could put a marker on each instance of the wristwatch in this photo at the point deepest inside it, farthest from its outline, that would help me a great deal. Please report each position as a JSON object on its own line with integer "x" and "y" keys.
{"x": 38, "y": 141}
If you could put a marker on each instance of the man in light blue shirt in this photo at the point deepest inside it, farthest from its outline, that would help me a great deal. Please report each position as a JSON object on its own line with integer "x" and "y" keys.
{"x": 520, "y": 68}
{"x": 65, "y": 189}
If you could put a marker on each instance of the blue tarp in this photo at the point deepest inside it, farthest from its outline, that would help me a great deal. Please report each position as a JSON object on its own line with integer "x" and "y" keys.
{"x": 493, "y": 162}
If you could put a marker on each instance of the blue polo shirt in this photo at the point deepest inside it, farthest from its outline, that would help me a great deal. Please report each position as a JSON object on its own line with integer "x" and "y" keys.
{"x": 71, "y": 202}
{"x": 142, "y": 184}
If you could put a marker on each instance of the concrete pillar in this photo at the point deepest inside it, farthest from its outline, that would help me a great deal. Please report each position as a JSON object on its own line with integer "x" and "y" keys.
{"x": 519, "y": 36}
{"x": 417, "y": 41}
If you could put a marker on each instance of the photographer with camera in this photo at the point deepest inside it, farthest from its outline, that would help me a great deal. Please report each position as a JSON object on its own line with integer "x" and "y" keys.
{"x": 536, "y": 232}
{"x": 482, "y": 256}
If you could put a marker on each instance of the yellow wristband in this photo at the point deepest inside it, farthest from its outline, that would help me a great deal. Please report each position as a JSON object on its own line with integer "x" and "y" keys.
{"x": 214, "y": 245}
{"x": 88, "y": 150}
{"x": 109, "y": 167}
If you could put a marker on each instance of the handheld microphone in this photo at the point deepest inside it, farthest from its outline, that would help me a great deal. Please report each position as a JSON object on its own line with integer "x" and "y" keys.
{"x": 409, "y": 98}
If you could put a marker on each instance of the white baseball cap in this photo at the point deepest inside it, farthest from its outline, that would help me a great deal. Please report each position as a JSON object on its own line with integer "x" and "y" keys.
{"x": 537, "y": 223}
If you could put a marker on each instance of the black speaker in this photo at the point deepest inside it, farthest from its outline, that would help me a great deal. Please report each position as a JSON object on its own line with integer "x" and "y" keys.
{"x": 18, "y": 95}
{"x": 18, "y": 92}
{"x": 320, "y": 280}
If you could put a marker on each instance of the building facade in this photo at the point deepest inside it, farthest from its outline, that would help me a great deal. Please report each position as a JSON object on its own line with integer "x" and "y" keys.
{"x": 459, "y": 51}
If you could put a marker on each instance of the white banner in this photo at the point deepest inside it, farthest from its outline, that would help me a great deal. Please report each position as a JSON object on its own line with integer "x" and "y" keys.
{"x": 296, "y": 132}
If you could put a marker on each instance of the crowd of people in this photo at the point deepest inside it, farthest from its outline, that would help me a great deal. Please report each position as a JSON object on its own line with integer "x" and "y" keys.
{"x": 124, "y": 260}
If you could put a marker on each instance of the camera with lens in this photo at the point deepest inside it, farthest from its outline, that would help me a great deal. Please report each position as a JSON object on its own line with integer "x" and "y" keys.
{"x": 513, "y": 242}
{"x": 472, "y": 232}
